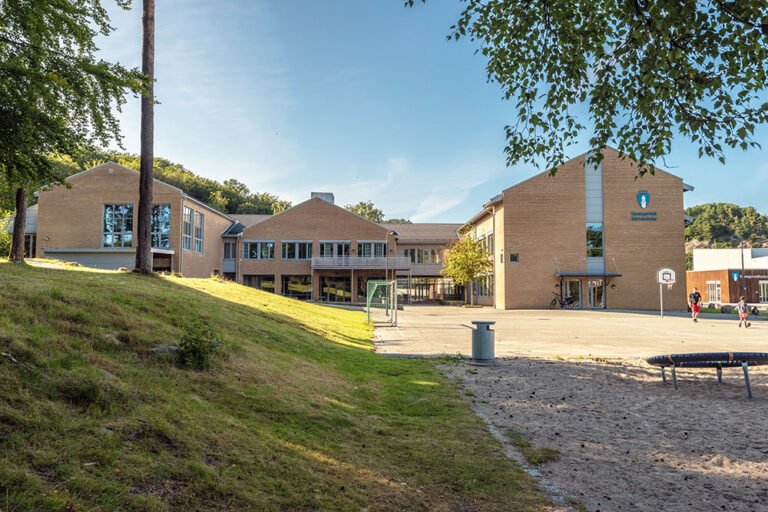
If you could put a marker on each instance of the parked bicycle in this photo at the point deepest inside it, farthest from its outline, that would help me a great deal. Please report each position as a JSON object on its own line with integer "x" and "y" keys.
{"x": 566, "y": 303}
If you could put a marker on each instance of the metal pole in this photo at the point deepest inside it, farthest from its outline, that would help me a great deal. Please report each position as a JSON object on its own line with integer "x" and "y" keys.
{"x": 745, "y": 367}
{"x": 743, "y": 284}
{"x": 661, "y": 300}
{"x": 386, "y": 278}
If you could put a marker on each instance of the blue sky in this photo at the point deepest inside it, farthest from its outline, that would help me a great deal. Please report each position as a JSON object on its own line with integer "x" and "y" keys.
{"x": 365, "y": 99}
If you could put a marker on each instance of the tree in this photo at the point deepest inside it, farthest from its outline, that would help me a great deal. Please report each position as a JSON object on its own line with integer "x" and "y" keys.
{"x": 56, "y": 96}
{"x": 644, "y": 71}
{"x": 467, "y": 261}
{"x": 397, "y": 221}
{"x": 144, "y": 238}
{"x": 366, "y": 210}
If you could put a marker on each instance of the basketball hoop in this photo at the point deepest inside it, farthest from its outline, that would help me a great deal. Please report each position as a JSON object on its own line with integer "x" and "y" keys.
{"x": 664, "y": 276}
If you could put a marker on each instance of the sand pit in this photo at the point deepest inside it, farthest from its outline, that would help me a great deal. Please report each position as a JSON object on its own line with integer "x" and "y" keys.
{"x": 628, "y": 442}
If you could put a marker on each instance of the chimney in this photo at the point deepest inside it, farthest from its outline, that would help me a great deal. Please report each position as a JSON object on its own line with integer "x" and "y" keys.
{"x": 325, "y": 196}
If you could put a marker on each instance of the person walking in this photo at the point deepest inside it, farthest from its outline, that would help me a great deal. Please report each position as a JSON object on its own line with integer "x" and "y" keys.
{"x": 694, "y": 302}
{"x": 743, "y": 309}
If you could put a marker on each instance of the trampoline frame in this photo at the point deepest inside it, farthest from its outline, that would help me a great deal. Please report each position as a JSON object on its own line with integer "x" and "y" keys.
{"x": 717, "y": 360}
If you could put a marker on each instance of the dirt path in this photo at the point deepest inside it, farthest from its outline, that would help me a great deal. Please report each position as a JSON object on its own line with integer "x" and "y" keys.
{"x": 628, "y": 442}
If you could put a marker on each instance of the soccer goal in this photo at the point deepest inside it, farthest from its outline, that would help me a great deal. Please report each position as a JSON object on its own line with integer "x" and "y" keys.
{"x": 381, "y": 302}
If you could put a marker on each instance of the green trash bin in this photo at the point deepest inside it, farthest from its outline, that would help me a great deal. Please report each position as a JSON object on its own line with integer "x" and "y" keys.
{"x": 483, "y": 341}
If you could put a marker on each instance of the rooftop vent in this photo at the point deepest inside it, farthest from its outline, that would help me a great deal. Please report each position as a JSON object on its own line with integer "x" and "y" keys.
{"x": 325, "y": 196}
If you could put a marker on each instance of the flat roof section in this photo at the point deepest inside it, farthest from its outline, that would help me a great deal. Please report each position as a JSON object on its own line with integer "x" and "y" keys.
{"x": 425, "y": 232}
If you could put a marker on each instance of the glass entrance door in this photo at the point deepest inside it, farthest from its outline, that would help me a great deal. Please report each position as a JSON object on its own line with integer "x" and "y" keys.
{"x": 572, "y": 288}
{"x": 764, "y": 292}
{"x": 596, "y": 294}
{"x": 336, "y": 289}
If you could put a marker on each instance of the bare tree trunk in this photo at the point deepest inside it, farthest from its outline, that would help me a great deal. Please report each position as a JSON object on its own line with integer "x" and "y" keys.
{"x": 144, "y": 238}
{"x": 19, "y": 225}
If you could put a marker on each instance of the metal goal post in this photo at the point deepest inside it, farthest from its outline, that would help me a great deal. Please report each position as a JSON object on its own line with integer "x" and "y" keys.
{"x": 382, "y": 296}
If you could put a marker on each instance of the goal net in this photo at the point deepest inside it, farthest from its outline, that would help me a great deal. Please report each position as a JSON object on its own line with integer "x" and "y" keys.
{"x": 381, "y": 302}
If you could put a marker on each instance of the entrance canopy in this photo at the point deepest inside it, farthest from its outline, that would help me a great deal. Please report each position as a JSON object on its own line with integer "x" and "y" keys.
{"x": 591, "y": 275}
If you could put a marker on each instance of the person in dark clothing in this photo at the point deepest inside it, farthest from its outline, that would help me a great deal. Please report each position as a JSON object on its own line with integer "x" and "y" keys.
{"x": 694, "y": 302}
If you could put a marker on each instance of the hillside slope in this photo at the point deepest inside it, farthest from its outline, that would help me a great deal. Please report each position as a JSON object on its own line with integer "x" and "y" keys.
{"x": 297, "y": 413}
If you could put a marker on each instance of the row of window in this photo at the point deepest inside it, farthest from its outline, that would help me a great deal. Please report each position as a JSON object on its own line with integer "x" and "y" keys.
{"x": 302, "y": 249}
{"x": 118, "y": 226}
{"x": 423, "y": 255}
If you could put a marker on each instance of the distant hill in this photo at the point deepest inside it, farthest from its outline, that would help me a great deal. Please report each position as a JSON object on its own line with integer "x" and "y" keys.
{"x": 721, "y": 225}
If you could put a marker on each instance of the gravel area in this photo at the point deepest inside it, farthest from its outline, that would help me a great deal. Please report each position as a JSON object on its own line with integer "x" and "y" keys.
{"x": 627, "y": 441}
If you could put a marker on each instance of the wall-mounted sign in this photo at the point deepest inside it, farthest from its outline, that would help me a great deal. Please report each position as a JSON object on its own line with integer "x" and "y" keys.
{"x": 643, "y": 200}
{"x": 735, "y": 276}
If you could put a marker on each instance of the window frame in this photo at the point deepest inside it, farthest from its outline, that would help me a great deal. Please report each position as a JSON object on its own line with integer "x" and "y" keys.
{"x": 718, "y": 289}
{"x": 297, "y": 249}
{"x": 161, "y": 234}
{"x": 199, "y": 229}
{"x": 187, "y": 222}
{"x": 260, "y": 246}
{"x": 113, "y": 232}
{"x": 595, "y": 251}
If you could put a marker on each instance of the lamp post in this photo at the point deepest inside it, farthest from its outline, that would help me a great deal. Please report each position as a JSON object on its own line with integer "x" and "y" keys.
{"x": 741, "y": 247}
{"x": 393, "y": 234}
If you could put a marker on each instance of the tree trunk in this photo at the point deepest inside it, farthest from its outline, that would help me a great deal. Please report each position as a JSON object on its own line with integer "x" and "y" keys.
{"x": 19, "y": 225}
{"x": 144, "y": 238}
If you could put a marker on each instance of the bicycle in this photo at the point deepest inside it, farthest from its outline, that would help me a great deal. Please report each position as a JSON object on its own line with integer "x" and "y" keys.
{"x": 566, "y": 303}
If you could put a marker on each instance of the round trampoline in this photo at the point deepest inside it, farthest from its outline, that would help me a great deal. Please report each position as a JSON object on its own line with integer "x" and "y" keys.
{"x": 717, "y": 360}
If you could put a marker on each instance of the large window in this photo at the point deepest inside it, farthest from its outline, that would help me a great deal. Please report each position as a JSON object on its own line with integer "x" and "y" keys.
{"x": 298, "y": 287}
{"x": 486, "y": 242}
{"x": 118, "y": 225}
{"x": 296, "y": 249}
{"x": 259, "y": 250}
{"x": 713, "y": 291}
{"x": 485, "y": 286}
{"x": 161, "y": 226}
{"x": 186, "y": 231}
{"x": 423, "y": 255}
{"x": 199, "y": 231}
{"x": 595, "y": 239}
{"x": 331, "y": 249}
{"x": 265, "y": 283}
{"x": 371, "y": 249}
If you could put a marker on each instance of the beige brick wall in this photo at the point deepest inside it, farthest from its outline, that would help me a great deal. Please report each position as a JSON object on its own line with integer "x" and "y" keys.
{"x": 208, "y": 262}
{"x": 72, "y": 218}
{"x": 313, "y": 220}
{"x": 640, "y": 248}
{"x": 545, "y": 223}
{"x": 543, "y": 219}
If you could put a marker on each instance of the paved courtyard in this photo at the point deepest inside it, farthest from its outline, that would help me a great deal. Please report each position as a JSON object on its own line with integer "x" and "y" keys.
{"x": 438, "y": 330}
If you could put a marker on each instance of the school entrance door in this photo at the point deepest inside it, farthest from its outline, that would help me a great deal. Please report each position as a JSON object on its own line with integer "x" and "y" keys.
{"x": 596, "y": 294}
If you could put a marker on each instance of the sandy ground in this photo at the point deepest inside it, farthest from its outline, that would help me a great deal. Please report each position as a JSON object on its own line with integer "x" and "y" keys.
{"x": 627, "y": 441}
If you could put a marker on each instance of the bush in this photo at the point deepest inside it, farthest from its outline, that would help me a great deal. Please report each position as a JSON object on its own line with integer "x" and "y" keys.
{"x": 5, "y": 236}
{"x": 199, "y": 345}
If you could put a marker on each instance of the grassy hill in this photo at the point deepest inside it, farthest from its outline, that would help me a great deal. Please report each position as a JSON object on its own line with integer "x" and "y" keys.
{"x": 296, "y": 413}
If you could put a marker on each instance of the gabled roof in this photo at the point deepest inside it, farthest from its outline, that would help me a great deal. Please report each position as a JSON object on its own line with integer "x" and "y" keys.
{"x": 316, "y": 201}
{"x": 124, "y": 168}
{"x": 249, "y": 219}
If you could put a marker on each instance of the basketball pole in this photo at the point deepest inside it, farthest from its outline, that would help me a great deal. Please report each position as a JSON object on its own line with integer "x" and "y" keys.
{"x": 661, "y": 300}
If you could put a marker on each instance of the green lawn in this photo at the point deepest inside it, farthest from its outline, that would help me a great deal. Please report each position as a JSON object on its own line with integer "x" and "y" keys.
{"x": 297, "y": 413}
